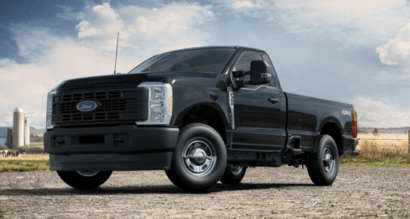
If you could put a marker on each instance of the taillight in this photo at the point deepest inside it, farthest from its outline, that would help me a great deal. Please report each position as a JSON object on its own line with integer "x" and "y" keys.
{"x": 354, "y": 124}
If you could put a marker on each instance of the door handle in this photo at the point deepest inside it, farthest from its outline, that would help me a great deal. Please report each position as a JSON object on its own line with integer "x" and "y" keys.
{"x": 273, "y": 100}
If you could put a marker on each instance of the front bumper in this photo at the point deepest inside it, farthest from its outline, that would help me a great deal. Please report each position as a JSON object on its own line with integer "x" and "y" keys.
{"x": 111, "y": 148}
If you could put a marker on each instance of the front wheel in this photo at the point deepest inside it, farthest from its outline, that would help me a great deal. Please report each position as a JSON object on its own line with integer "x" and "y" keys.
{"x": 233, "y": 175}
{"x": 199, "y": 159}
{"x": 324, "y": 164}
{"x": 84, "y": 179}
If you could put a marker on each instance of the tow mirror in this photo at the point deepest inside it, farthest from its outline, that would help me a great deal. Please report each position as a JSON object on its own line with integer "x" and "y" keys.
{"x": 238, "y": 73}
{"x": 259, "y": 73}
{"x": 241, "y": 83}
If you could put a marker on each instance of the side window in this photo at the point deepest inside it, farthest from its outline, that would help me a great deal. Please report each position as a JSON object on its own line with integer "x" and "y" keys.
{"x": 270, "y": 69}
{"x": 244, "y": 64}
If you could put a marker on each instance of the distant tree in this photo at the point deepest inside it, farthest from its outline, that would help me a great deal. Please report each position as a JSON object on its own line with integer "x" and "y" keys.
{"x": 375, "y": 131}
{"x": 36, "y": 138}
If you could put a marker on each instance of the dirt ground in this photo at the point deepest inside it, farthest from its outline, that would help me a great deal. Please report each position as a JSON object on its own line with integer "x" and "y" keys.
{"x": 285, "y": 192}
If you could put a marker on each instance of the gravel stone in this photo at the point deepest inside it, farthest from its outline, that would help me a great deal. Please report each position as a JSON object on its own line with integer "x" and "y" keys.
{"x": 285, "y": 192}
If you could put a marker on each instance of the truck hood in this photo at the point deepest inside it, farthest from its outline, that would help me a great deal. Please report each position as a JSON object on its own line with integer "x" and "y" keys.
{"x": 124, "y": 80}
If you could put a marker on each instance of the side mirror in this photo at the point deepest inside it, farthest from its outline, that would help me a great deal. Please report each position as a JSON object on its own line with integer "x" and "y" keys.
{"x": 238, "y": 73}
{"x": 241, "y": 83}
{"x": 259, "y": 73}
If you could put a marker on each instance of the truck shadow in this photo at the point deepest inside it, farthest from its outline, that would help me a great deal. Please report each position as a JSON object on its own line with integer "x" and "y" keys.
{"x": 161, "y": 189}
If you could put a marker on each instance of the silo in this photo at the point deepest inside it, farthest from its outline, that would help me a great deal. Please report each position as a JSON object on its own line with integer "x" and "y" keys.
{"x": 10, "y": 138}
{"x": 26, "y": 132}
{"x": 18, "y": 128}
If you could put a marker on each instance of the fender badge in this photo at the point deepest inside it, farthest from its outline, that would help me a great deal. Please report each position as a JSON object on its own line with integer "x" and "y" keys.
{"x": 346, "y": 112}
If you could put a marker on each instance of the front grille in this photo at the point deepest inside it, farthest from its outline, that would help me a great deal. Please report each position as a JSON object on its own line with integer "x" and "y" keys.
{"x": 106, "y": 106}
{"x": 115, "y": 105}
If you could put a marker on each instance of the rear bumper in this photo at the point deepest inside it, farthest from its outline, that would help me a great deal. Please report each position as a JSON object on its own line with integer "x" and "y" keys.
{"x": 111, "y": 148}
{"x": 353, "y": 152}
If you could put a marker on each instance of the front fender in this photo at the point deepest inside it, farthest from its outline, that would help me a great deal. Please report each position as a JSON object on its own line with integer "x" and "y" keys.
{"x": 186, "y": 98}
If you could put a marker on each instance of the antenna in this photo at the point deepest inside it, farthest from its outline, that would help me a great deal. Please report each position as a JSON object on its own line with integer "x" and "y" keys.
{"x": 116, "y": 52}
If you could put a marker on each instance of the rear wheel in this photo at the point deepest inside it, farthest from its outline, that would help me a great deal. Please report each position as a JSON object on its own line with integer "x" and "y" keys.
{"x": 199, "y": 160}
{"x": 233, "y": 175}
{"x": 84, "y": 179}
{"x": 324, "y": 164}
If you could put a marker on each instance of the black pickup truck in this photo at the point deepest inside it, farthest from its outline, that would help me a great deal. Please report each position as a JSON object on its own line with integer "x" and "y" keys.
{"x": 201, "y": 114}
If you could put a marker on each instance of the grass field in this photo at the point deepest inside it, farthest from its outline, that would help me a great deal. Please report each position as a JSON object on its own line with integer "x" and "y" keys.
{"x": 23, "y": 165}
{"x": 381, "y": 150}
{"x": 33, "y": 157}
{"x": 384, "y": 142}
{"x": 29, "y": 162}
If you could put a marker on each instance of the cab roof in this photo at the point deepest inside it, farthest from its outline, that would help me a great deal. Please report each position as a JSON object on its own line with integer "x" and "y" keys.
{"x": 217, "y": 47}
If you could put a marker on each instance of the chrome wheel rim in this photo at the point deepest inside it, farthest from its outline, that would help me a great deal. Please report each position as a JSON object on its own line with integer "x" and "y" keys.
{"x": 199, "y": 157}
{"x": 329, "y": 161}
{"x": 236, "y": 170}
{"x": 88, "y": 173}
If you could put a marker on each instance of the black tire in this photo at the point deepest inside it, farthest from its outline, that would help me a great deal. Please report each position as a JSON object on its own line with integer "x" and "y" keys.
{"x": 199, "y": 159}
{"x": 84, "y": 181}
{"x": 233, "y": 175}
{"x": 324, "y": 164}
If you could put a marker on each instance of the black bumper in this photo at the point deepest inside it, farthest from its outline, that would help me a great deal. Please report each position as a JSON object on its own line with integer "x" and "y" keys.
{"x": 355, "y": 153}
{"x": 111, "y": 148}
{"x": 352, "y": 152}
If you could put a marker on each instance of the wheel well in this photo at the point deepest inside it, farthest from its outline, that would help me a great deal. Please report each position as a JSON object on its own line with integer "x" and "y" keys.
{"x": 207, "y": 115}
{"x": 332, "y": 130}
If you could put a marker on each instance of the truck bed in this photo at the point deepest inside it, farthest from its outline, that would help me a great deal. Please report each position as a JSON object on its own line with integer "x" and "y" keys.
{"x": 306, "y": 116}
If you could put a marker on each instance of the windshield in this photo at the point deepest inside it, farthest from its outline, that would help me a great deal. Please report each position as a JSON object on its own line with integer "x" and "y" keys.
{"x": 198, "y": 60}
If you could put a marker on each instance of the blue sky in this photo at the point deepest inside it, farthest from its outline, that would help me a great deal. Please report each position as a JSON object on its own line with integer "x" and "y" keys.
{"x": 354, "y": 51}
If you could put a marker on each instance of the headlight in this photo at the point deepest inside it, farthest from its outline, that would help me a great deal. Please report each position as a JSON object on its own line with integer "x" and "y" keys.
{"x": 49, "y": 116}
{"x": 159, "y": 104}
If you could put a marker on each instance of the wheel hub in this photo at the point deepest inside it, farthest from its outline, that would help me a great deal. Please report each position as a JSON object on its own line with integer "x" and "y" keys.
{"x": 329, "y": 162}
{"x": 236, "y": 170}
{"x": 199, "y": 157}
{"x": 87, "y": 173}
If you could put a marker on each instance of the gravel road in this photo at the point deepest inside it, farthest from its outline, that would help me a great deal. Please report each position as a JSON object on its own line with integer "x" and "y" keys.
{"x": 285, "y": 192}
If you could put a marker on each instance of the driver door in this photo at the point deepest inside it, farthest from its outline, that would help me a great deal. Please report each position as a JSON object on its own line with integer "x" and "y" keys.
{"x": 260, "y": 111}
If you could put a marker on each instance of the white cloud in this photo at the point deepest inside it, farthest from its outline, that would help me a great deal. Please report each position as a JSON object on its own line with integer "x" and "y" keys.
{"x": 376, "y": 113}
{"x": 245, "y": 4}
{"x": 157, "y": 29}
{"x": 68, "y": 13}
{"x": 396, "y": 51}
{"x": 243, "y": 9}
{"x": 26, "y": 85}
{"x": 342, "y": 10}
{"x": 32, "y": 41}
{"x": 6, "y": 120}
{"x": 100, "y": 27}
{"x": 354, "y": 22}
{"x": 52, "y": 58}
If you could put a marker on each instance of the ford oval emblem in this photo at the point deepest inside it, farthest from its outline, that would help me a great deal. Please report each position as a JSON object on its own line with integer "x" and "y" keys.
{"x": 87, "y": 106}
